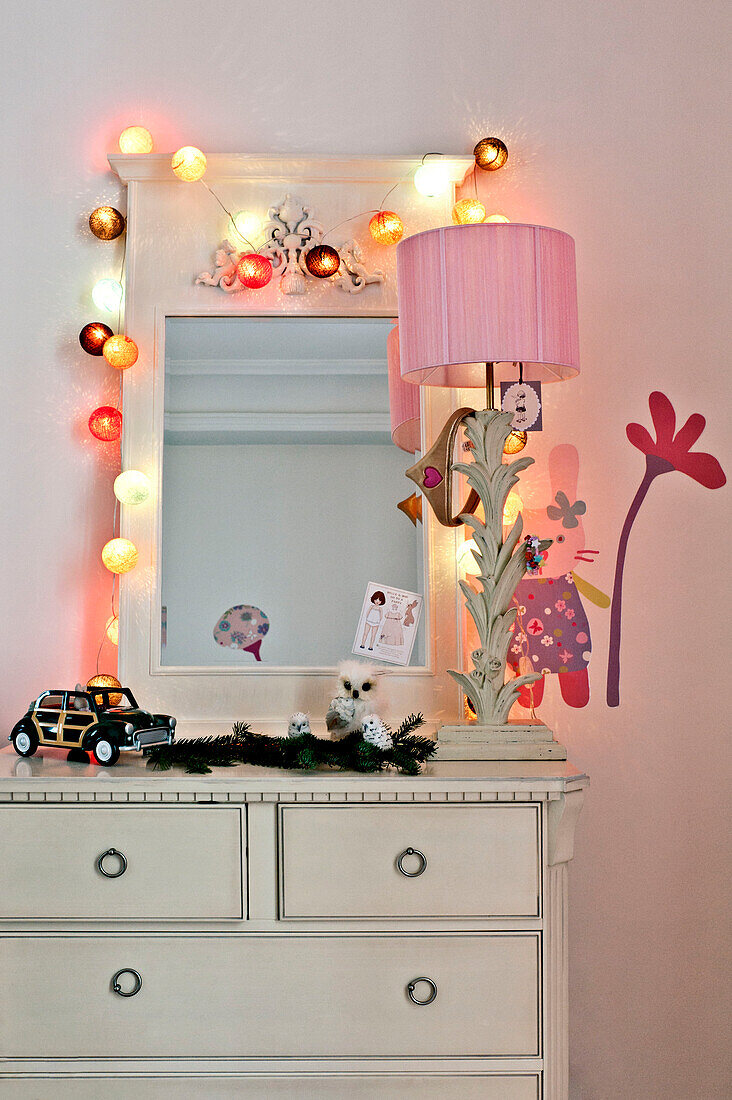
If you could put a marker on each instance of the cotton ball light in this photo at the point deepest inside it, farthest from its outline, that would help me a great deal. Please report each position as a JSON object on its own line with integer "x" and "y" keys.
{"x": 254, "y": 271}
{"x": 247, "y": 225}
{"x": 432, "y": 179}
{"x": 468, "y": 212}
{"x": 106, "y": 223}
{"x": 515, "y": 442}
{"x": 107, "y": 295}
{"x": 105, "y": 680}
{"x": 498, "y": 218}
{"x": 112, "y": 629}
{"x": 386, "y": 227}
{"x": 135, "y": 139}
{"x": 188, "y": 163}
{"x": 105, "y": 423}
{"x": 490, "y": 154}
{"x": 120, "y": 352}
{"x": 131, "y": 487}
{"x": 119, "y": 555}
{"x": 511, "y": 509}
{"x": 322, "y": 261}
{"x": 94, "y": 336}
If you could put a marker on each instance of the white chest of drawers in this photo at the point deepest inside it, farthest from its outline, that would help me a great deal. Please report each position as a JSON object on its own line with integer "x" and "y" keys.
{"x": 328, "y": 936}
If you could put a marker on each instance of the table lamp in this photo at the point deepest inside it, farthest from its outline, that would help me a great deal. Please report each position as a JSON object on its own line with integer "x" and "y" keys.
{"x": 480, "y": 304}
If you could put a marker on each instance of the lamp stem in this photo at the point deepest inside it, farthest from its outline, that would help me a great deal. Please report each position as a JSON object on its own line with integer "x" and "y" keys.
{"x": 489, "y": 403}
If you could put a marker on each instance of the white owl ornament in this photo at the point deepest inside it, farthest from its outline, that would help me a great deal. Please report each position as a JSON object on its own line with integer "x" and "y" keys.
{"x": 356, "y": 698}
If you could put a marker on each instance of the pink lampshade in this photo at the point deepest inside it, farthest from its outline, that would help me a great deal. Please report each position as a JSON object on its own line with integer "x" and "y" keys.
{"x": 492, "y": 292}
{"x": 403, "y": 400}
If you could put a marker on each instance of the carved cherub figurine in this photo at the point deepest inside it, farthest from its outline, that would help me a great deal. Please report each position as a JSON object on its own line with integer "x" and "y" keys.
{"x": 356, "y": 698}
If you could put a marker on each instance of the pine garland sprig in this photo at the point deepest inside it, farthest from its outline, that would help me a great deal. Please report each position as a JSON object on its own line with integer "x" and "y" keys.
{"x": 352, "y": 753}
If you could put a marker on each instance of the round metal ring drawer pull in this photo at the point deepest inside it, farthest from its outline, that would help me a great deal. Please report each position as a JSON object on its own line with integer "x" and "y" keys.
{"x": 422, "y": 862}
{"x": 120, "y": 857}
{"x": 428, "y": 1000}
{"x": 118, "y": 988}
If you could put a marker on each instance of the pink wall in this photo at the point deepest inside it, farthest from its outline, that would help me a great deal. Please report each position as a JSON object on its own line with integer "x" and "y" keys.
{"x": 611, "y": 116}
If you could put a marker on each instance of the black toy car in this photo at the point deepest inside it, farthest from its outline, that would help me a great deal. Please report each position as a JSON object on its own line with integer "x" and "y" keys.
{"x": 101, "y": 721}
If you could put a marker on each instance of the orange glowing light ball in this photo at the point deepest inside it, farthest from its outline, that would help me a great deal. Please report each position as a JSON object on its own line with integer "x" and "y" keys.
{"x": 106, "y": 223}
{"x": 105, "y": 423}
{"x": 468, "y": 212}
{"x": 120, "y": 352}
{"x": 516, "y": 442}
{"x": 112, "y": 629}
{"x": 119, "y": 555}
{"x": 94, "y": 336}
{"x": 188, "y": 163}
{"x": 490, "y": 154}
{"x": 322, "y": 261}
{"x": 135, "y": 139}
{"x": 254, "y": 271}
{"x": 104, "y": 680}
{"x": 498, "y": 218}
{"x": 386, "y": 227}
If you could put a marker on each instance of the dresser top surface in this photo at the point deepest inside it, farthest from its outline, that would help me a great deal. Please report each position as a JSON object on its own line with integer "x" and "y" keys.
{"x": 49, "y": 769}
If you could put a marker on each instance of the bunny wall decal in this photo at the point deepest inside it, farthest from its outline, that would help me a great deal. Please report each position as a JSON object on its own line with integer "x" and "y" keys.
{"x": 552, "y": 631}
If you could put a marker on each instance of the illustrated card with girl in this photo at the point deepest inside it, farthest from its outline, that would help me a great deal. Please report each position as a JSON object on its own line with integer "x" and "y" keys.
{"x": 388, "y": 624}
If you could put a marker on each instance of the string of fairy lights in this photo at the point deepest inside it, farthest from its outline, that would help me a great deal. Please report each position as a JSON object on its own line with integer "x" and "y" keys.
{"x": 254, "y": 271}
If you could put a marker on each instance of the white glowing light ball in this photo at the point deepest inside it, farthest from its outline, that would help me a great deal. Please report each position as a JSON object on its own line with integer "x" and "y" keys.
{"x": 432, "y": 178}
{"x": 465, "y": 557}
{"x": 107, "y": 295}
{"x": 247, "y": 225}
{"x": 112, "y": 629}
{"x": 132, "y": 487}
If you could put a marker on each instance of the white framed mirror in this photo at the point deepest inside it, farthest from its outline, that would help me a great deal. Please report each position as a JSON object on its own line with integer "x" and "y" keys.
{"x": 280, "y": 486}
{"x": 221, "y": 379}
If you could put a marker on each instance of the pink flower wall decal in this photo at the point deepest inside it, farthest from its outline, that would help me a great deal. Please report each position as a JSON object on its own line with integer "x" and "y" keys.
{"x": 668, "y": 451}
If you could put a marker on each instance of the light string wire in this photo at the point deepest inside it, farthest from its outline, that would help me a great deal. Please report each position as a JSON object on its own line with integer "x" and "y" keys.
{"x": 115, "y": 511}
{"x": 333, "y": 228}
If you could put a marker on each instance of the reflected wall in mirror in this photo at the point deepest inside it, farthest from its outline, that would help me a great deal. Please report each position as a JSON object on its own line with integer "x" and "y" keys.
{"x": 280, "y": 490}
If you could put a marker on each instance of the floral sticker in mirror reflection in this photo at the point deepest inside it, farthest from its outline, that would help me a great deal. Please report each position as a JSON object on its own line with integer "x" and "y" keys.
{"x": 242, "y": 627}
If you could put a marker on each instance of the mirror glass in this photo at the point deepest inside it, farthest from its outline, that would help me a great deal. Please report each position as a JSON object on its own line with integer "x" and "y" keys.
{"x": 280, "y": 490}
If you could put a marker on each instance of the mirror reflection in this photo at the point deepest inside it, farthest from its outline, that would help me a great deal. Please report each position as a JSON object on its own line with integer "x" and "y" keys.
{"x": 280, "y": 490}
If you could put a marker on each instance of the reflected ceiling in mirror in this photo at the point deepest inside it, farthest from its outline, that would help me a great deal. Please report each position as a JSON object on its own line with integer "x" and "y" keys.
{"x": 280, "y": 490}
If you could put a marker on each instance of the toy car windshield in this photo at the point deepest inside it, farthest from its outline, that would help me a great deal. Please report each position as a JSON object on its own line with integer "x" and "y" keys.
{"x": 101, "y": 697}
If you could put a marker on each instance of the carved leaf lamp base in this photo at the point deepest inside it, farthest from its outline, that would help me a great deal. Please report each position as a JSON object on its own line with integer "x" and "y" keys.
{"x": 506, "y": 741}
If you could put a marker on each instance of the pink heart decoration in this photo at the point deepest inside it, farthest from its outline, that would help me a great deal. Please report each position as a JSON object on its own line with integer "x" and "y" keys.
{"x": 431, "y": 477}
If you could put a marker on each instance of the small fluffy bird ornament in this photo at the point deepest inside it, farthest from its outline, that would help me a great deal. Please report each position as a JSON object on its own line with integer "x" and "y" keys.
{"x": 357, "y": 695}
{"x": 299, "y": 725}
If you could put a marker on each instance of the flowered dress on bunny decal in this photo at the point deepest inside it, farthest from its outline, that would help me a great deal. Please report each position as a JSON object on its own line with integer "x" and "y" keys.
{"x": 552, "y": 631}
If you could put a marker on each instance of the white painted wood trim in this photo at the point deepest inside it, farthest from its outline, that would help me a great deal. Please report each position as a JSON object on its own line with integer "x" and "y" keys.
{"x": 269, "y": 423}
{"x": 274, "y": 367}
{"x": 284, "y": 170}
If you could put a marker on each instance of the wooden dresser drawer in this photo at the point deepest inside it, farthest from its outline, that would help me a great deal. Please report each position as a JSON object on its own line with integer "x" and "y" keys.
{"x": 273, "y": 996}
{"x": 181, "y": 864}
{"x": 443, "y": 1086}
{"x": 461, "y": 861}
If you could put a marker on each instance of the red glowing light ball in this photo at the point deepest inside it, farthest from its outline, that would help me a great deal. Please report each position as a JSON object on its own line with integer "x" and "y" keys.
{"x": 254, "y": 271}
{"x": 93, "y": 337}
{"x": 105, "y": 423}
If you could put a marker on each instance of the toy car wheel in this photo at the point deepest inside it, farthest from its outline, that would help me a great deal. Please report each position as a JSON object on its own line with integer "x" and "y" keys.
{"x": 25, "y": 742}
{"x": 105, "y": 752}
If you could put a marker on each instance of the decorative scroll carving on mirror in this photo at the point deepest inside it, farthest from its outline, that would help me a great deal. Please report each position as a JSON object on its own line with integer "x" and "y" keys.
{"x": 290, "y": 233}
